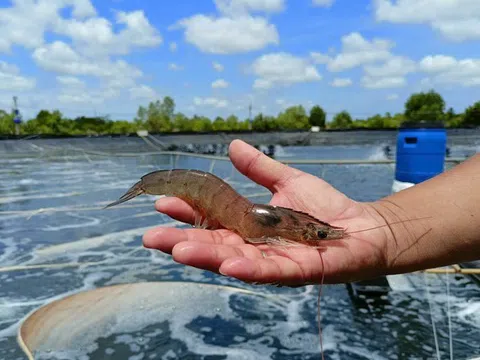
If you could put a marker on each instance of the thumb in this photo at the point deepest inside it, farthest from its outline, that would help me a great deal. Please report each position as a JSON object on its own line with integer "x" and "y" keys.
{"x": 257, "y": 166}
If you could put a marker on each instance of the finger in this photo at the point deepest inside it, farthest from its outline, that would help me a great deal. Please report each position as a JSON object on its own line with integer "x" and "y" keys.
{"x": 164, "y": 239}
{"x": 259, "y": 167}
{"x": 274, "y": 269}
{"x": 176, "y": 208}
{"x": 210, "y": 256}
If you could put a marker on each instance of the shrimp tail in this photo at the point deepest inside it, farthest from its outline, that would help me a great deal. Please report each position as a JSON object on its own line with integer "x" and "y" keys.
{"x": 134, "y": 191}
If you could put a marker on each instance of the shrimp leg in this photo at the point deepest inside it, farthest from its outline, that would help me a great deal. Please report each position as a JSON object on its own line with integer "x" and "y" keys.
{"x": 278, "y": 241}
{"x": 200, "y": 221}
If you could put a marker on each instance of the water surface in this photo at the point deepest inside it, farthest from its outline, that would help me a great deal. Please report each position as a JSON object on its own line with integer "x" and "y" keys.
{"x": 51, "y": 213}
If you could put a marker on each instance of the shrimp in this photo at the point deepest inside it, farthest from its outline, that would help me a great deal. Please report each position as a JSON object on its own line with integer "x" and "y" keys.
{"x": 218, "y": 205}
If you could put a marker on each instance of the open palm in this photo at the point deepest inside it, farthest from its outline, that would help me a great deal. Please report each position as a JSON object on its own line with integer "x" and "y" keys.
{"x": 361, "y": 255}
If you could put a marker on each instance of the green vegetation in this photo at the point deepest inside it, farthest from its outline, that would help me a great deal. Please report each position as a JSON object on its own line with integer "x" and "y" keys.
{"x": 160, "y": 117}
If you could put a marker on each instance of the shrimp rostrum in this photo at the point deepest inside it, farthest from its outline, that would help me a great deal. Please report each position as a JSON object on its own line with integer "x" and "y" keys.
{"x": 218, "y": 205}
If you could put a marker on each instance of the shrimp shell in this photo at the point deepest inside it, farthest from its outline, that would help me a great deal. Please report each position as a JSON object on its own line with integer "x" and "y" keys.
{"x": 218, "y": 205}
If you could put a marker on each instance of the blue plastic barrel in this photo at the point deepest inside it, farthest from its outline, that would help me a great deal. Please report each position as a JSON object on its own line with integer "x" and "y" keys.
{"x": 421, "y": 151}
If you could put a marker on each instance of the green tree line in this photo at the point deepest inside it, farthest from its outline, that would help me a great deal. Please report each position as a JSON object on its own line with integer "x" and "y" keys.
{"x": 160, "y": 117}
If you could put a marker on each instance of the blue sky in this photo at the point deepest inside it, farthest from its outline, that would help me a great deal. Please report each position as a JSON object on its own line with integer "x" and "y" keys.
{"x": 214, "y": 57}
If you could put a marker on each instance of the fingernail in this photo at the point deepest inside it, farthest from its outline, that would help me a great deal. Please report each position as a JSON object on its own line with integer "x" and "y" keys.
{"x": 229, "y": 265}
{"x": 185, "y": 248}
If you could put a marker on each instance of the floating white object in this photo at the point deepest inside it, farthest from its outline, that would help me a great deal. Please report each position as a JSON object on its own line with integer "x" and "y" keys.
{"x": 400, "y": 185}
{"x": 75, "y": 322}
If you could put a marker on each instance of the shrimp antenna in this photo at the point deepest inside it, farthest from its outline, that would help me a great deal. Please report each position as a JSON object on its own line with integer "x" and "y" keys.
{"x": 393, "y": 223}
{"x": 134, "y": 191}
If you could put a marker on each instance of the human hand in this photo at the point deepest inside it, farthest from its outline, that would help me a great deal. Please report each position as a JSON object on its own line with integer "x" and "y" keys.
{"x": 361, "y": 255}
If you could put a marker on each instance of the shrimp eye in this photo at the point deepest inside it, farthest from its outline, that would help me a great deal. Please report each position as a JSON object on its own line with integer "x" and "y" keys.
{"x": 322, "y": 234}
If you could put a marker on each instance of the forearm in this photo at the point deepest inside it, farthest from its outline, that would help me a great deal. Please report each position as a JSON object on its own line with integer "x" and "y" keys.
{"x": 450, "y": 234}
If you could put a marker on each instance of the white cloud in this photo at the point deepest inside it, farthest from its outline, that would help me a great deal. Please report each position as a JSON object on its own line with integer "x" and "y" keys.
{"x": 282, "y": 69}
{"x": 210, "y": 101}
{"x": 382, "y": 68}
{"x": 95, "y": 35}
{"x": 392, "y": 97}
{"x": 448, "y": 70}
{"x": 283, "y": 104}
{"x": 394, "y": 66}
{"x": 26, "y": 22}
{"x": 457, "y": 20}
{"x": 319, "y": 58}
{"x": 341, "y": 82}
{"x": 370, "y": 82}
{"x": 70, "y": 81}
{"x": 75, "y": 92}
{"x": 227, "y": 35}
{"x": 426, "y": 83}
{"x": 324, "y": 3}
{"x": 81, "y": 8}
{"x": 80, "y": 98}
{"x": 391, "y": 73}
{"x": 356, "y": 51}
{"x": 220, "y": 84}
{"x": 173, "y": 46}
{"x": 217, "y": 66}
{"x": 87, "y": 45}
{"x": 143, "y": 92}
{"x": 235, "y": 7}
{"x": 14, "y": 28}
{"x": 114, "y": 76}
{"x": 175, "y": 67}
{"x": 235, "y": 30}
{"x": 60, "y": 57}
{"x": 10, "y": 78}
{"x": 437, "y": 63}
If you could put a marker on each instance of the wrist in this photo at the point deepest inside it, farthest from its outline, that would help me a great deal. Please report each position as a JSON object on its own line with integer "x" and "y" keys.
{"x": 402, "y": 229}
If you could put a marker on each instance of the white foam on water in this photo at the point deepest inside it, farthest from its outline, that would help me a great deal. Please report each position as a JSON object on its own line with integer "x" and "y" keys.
{"x": 280, "y": 152}
{"x": 367, "y": 354}
{"x": 16, "y": 305}
{"x": 469, "y": 313}
{"x": 294, "y": 332}
{"x": 132, "y": 216}
{"x": 377, "y": 154}
{"x": 64, "y": 173}
{"x": 296, "y": 322}
{"x": 10, "y": 199}
{"x": 178, "y": 306}
{"x": 80, "y": 208}
{"x": 18, "y": 160}
{"x": 24, "y": 193}
{"x": 123, "y": 237}
{"x": 400, "y": 282}
{"x": 28, "y": 182}
{"x": 9, "y": 250}
{"x": 260, "y": 348}
{"x": 91, "y": 222}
